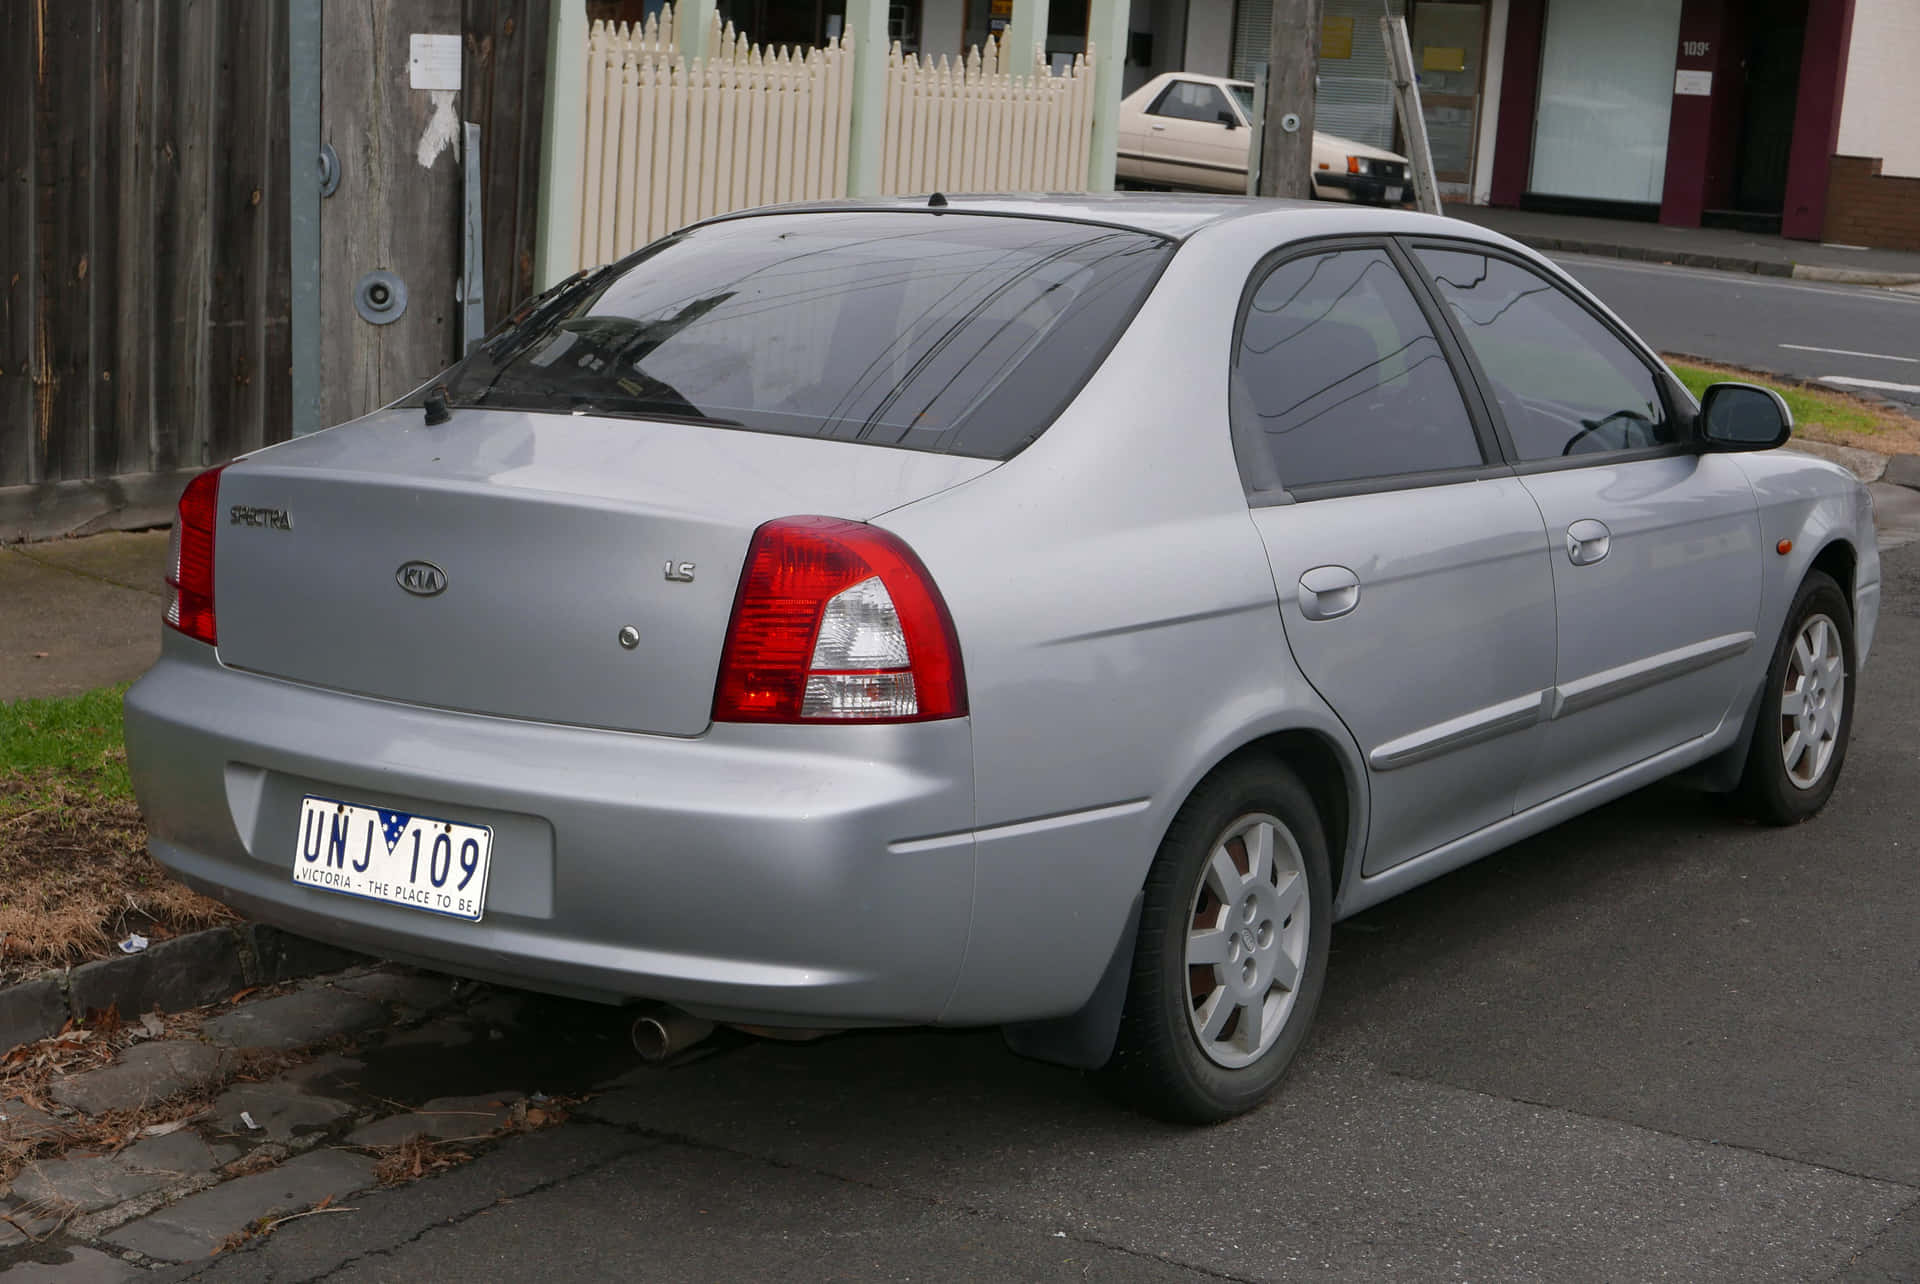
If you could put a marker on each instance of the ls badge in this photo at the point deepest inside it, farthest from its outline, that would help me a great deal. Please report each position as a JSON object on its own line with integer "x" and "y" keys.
{"x": 680, "y": 572}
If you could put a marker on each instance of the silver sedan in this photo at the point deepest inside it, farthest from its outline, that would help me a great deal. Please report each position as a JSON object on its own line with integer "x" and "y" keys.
{"x": 1043, "y": 613}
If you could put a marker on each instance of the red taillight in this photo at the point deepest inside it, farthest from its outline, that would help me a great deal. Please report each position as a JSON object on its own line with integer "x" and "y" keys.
{"x": 190, "y": 558}
{"x": 814, "y": 639}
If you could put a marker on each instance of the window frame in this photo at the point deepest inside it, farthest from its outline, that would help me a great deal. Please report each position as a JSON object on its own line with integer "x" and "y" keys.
{"x": 1153, "y": 108}
{"x": 1494, "y": 461}
{"x": 1680, "y": 409}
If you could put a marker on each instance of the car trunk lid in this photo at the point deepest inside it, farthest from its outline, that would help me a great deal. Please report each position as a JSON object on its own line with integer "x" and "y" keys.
{"x": 491, "y": 563}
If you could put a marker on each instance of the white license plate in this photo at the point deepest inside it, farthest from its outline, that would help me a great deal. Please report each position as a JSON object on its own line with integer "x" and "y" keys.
{"x": 1393, "y": 194}
{"x": 394, "y": 856}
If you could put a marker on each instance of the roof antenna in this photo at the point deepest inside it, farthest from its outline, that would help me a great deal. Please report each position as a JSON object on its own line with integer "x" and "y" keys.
{"x": 936, "y": 202}
{"x": 436, "y": 405}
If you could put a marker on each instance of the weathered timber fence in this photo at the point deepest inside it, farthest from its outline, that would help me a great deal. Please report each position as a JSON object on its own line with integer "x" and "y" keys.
{"x": 144, "y": 235}
{"x": 972, "y": 126}
{"x": 670, "y": 140}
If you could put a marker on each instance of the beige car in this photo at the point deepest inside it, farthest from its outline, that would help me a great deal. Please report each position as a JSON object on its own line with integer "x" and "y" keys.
{"x": 1183, "y": 130}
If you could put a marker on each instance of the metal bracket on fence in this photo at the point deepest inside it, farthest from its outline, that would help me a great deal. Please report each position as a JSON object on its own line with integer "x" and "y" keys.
{"x": 470, "y": 291}
{"x": 329, "y": 170}
{"x": 380, "y": 297}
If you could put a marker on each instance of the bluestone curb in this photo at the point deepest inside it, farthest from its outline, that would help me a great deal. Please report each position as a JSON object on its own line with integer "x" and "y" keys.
{"x": 185, "y": 972}
{"x": 1903, "y": 470}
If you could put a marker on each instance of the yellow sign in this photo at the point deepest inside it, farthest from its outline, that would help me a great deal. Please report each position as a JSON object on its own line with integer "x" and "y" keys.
{"x": 1336, "y": 37}
{"x": 1434, "y": 58}
{"x": 1000, "y": 9}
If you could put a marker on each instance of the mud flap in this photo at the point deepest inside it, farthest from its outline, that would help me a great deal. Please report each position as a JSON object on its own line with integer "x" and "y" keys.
{"x": 1084, "y": 1040}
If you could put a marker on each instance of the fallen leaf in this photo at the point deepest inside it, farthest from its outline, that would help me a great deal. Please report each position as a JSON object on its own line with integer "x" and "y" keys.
{"x": 40, "y": 655}
{"x": 154, "y": 1023}
{"x": 241, "y": 994}
{"x": 163, "y": 1130}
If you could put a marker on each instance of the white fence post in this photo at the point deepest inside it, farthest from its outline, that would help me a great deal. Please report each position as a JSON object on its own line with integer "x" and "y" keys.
{"x": 867, "y": 32}
{"x": 694, "y": 21}
{"x": 563, "y": 139}
{"x": 1107, "y": 51}
{"x": 1026, "y": 32}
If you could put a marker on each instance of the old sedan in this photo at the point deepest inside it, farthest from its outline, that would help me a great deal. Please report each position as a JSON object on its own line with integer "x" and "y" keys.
{"x": 1188, "y": 131}
{"x": 1043, "y": 613}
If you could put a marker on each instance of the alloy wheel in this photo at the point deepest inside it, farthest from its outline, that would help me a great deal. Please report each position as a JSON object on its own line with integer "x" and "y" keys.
{"x": 1812, "y": 702}
{"x": 1246, "y": 940}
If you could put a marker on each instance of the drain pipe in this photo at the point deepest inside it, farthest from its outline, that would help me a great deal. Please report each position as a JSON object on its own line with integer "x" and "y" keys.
{"x": 665, "y": 1031}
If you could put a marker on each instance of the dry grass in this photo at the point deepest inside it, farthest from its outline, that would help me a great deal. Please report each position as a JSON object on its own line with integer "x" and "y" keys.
{"x": 28, "y": 1070}
{"x": 75, "y": 877}
{"x": 417, "y": 1157}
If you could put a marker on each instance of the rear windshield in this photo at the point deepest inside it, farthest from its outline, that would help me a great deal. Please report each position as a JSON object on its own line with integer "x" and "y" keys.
{"x": 958, "y": 333}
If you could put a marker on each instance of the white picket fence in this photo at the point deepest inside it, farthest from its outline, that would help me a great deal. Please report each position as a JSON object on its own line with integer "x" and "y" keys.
{"x": 669, "y": 141}
{"x": 970, "y": 126}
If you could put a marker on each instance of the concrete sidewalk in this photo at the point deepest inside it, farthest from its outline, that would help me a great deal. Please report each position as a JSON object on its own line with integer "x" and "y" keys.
{"x": 80, "y": 613}
{"x": 1703, "y": 247}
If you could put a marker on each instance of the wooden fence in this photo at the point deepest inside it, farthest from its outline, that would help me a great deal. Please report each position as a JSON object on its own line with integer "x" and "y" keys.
{"x": 145, "y": 275}
{"x": 971, "y": 126}
{"x": 670, "y": 141}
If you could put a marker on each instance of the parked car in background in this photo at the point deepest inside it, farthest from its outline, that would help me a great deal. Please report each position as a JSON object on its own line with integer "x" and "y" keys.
{"x": 1046, "y": 613}
{"x": 1191, "y": 132}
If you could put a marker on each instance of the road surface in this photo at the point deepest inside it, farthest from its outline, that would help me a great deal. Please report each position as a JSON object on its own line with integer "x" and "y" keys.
{"x": 1859, "y": 338}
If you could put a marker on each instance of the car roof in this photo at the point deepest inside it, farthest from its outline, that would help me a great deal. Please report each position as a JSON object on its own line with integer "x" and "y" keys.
{"x": 1171, "y": 215}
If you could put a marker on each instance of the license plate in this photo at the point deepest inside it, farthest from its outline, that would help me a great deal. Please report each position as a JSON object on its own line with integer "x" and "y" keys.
{"x": 394, "y": 856}
{"x": 1393, "y": 193}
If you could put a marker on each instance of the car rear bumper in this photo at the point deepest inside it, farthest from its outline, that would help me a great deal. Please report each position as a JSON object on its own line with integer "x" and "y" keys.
{"x": 749, "y": 873}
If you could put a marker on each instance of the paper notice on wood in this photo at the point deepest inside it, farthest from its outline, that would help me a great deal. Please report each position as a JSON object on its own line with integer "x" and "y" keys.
{"x": 1698, "y": 84}
{"x": 1336, "y": 37}
{"x": 433, "y": 62}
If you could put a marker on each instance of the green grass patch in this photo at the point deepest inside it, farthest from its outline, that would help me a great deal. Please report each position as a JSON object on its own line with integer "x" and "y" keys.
{"x": 1810, "y": 408}
{"x": 74, "y": 742}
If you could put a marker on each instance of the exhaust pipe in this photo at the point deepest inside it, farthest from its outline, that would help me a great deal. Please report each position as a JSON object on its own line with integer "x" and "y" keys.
{"x": 664, "y": 1032}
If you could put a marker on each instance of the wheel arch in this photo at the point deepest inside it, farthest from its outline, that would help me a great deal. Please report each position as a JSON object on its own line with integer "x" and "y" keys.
{"x": 1332, "y": 779}
{"x": 1840, "y": 560}
{"x": 1330, "y": 769}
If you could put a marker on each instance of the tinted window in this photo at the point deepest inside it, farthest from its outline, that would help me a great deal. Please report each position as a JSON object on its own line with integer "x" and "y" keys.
{"x": 1566, "y": 385}
{"x": 1339, "y": 376}
{"x": 956, "y": 333}
{"x": 1191, "y": 100}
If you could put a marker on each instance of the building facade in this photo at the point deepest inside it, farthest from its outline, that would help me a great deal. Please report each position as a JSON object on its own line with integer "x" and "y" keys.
{"x": 1788, "y": 116}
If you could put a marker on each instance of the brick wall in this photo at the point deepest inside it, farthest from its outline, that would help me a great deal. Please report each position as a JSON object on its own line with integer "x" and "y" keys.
{"x": 1866, "y": 207}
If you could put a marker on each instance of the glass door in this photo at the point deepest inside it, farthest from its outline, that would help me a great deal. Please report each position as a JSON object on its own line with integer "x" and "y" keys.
{"x": 1447, "y": 41}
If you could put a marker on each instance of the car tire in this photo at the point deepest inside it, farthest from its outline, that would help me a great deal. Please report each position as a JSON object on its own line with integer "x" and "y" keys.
{"x": 1258, "y": 955}
{"x": 1799, "y": 739}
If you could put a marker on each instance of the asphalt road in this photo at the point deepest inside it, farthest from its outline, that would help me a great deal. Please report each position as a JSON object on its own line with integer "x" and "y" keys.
{"x": 1654, "y": 1043}
{"x": 1801, "y": 328}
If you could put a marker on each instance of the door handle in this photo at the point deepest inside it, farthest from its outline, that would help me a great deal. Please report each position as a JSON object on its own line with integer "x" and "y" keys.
{"x": 1588, "y": 541}
{"x": 1328, "y": 592}
{"x": 1157, "y": 128}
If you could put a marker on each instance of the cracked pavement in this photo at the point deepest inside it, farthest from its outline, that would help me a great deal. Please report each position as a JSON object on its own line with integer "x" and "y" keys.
{"x": 1653, "y": 1043}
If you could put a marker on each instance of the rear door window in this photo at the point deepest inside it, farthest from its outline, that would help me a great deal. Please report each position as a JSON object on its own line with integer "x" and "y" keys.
{"x": 1339, "y": 378}
{"x": 1191, "y": 100}
{"x": 957, "y": 333}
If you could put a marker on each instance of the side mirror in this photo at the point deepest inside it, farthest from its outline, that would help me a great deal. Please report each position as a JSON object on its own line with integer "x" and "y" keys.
{"x": 1228, "y": 119}
{"x": 1743, "y": 416}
